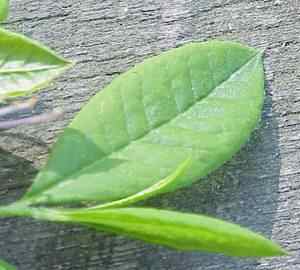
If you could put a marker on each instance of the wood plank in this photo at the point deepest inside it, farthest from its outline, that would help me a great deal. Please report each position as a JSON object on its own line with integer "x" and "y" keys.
{"x": 259, "y": 188}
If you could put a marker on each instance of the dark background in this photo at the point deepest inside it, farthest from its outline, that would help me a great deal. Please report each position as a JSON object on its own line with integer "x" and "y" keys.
{"x": 259, "y": 188}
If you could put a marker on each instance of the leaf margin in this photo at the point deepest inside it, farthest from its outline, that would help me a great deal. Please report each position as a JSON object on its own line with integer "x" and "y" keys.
{"x": 4, "y": 9}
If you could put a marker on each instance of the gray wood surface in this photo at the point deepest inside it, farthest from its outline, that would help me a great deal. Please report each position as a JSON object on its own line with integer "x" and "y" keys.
{"x": 259, "y": 188}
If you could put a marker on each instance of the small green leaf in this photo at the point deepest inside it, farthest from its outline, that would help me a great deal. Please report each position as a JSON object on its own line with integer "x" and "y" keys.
{"x": 178, "y": 230}
{"x": 201, "y": 100}
{"x": 152, "y": 191}
{"x": 4, "y": 5}
{"x": 5, "y": 266}
{"x": 26, "y": 65}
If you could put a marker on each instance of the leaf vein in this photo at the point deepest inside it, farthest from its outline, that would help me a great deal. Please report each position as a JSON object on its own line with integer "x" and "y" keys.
{"x": 229, "y": 77}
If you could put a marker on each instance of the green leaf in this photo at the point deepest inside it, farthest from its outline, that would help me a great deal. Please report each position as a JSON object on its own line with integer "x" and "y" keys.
{"x": 152, "y": 191}
{"x": 3, "y": 9}
{"x": 178, "y": 230}
{"x": 201, "y": 100}
{"x": 5, "y": 266}
{"x": 26, "y": 65}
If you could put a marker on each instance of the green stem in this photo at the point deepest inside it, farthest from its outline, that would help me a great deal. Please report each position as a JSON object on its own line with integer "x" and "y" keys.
{"x": 15, "y": 210}
{"x": 22, "y": 210}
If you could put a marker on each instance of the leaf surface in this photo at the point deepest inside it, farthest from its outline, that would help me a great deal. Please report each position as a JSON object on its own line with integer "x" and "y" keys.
{"x": 5, "y": 266}
{"x": 26, "y": 65}
{"x": 3, "y": 10}
{"x": 152, "y": 191}
{"x": 179, "y": 230}
{"x": 201, "y": 100}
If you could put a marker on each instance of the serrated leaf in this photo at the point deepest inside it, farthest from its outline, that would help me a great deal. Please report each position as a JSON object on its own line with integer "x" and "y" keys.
{"x": 152, "y": 191}
{"x": 179, "y": 230}
{"x": 26, "y": 65}
{"x": 5, "y": 266}
{"x": 3, "y": 9}
{"x": 201, "y": 100}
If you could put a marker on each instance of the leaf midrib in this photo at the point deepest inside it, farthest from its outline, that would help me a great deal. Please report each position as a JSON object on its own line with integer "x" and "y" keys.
{"x": 36, "y": 194}
{"x": 18, "y": 70}
{"x": 204, "y": 226}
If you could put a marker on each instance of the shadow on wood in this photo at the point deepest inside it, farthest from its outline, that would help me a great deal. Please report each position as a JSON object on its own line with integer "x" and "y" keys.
{"x": 14, "y": 174}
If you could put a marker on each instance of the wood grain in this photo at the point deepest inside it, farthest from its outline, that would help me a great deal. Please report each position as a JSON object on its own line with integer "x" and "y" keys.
{"x": 259, "y": 188}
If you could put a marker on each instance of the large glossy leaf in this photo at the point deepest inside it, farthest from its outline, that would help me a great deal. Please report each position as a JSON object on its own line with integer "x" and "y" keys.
{"x": 178, "y": 230}
{"x": 3, "y": 10}
{"x": 201, "y": 100}
{"x": 26, "y": 65}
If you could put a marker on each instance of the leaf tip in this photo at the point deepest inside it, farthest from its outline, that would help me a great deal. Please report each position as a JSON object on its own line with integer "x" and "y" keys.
{"x": 70, "y": 63}
{"x": 281, "y": 251}
{"x": 273, "y": 249}
{"x": 187, "y": 163}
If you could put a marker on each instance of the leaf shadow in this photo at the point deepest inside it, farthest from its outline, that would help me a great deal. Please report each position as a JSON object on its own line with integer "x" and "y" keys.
{"x": 14, "y": 174}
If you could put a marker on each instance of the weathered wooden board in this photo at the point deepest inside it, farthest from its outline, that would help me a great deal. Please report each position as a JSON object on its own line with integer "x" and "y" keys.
{"x": 260, "y": 188}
